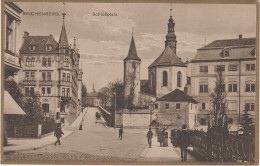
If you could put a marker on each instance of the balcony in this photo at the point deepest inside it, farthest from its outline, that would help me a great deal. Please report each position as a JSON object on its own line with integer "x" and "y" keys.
{"x": 29, "y": 82}
{"x": 65, "y": 83}
{"x": 45, "y": 82}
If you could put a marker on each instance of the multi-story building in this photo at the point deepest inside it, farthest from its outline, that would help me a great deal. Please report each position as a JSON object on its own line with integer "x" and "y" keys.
{"x": 11, "y": 56}
{"x": 50, "y": 69}
{"x": 237, "y": 59}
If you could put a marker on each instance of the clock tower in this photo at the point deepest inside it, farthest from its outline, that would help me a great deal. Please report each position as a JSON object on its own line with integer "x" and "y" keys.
{"x": 171, "y": 37}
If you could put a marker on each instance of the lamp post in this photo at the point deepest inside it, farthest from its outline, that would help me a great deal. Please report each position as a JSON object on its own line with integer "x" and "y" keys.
{"x": 115, "y": 110}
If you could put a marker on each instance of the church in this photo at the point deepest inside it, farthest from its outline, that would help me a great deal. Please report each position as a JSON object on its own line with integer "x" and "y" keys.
{"x": 165, "y": 88}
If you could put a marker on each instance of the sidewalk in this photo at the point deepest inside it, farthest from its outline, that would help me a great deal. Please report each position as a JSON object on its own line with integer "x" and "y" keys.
{"x": 21, "y": 144}
{"x": 157, "y": 153}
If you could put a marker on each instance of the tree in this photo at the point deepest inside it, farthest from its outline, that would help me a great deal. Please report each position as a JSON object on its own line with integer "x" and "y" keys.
{"x": 104, "y": 95}
{"x": 218, "y": 100}
{"x": 131, "y": 96}
{"x": 247, "y": 124}
{"x": 84, "y": 95}
{"x": 116, "y": 87}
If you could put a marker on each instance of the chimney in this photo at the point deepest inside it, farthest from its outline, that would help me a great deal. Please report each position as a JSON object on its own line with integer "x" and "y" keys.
{"x": 26, "y": 34}
{"x": 240, "y": 36}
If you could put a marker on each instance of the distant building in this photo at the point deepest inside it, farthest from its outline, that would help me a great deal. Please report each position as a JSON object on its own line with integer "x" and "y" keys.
{"x": 50, "y": 69}
{"x": 93, "y": 98}
{"x": 237, "y": 59}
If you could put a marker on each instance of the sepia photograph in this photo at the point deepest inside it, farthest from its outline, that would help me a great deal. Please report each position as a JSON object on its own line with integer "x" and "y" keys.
{"x": 129, "y": 83}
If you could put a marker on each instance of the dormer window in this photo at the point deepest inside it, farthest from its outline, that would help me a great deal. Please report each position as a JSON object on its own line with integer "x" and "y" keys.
{"x": 226, "y": 52}
{"x": 32, "y": 47}
{"x": 48, "y": 47}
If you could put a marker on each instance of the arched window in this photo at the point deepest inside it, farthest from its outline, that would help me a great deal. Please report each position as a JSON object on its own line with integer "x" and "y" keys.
{"x": 44, "y": 62}
{"x": 179, "y": 79}
{"x": 165, "y": 78}
{"x": 28, "y": 61}
{"x": 152, "y": 80}
{"x": 66, "y": 63}
{"x": 49, "y": 61}
{"x": 32, "y": 61}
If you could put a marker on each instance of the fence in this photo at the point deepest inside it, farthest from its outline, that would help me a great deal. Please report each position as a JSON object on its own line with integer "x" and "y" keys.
{"x": 220, "y": 146}
{"x": 106, "y": 115}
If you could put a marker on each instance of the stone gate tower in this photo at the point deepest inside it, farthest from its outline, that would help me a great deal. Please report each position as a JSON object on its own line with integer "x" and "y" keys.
{"x": 131, "y": 76}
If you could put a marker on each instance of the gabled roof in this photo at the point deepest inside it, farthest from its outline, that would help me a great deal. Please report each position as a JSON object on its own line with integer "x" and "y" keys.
{"x": 63, "y": 38}
{"x": 132, "y": 54}
{"x": 239, "y": 49}
{"x": 177, "y": 96}
{"x": 168, "y": 58}
{"x": 231, "y": 43}
{"x": 40, "y": 43}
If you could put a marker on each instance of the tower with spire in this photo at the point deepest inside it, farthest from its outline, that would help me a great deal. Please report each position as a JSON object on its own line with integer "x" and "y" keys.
{"x": 63, "y": 41}
{"x": 171, "y": 37}
{"x": 131, "y": 76}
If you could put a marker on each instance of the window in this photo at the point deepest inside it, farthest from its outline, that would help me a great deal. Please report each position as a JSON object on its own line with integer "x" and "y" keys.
{"x": 250, "y": 87}
{"x": 49, "y": 76}
{"x": 32, "y": 47}
{"x": 62, "y": 120}
{"x": 203, "y": 106}
{"x": 250, "y": 106}
{"x": 27, "y": 91}
{"x": 232, "y": 87}
{"x": 48, "y": 47}
{"x": 202, "y": 121}
{"x": 230, "y": 120}
{"x": 43, "y": 91}
{"x": 167, "y": 106}
{"x": 68, "y": 92}
{"x": 28, "y": 61}
{"x": 133, "y": 65}
{"x": 152, "y": 80}
{"x": 220, "y": 68}
{"x": 49, "y": 61}
{"x": 9, "y": 31}
{"x": 178, "y": 106}
{"x": 32, "y": 91}
{"x": 63, "y": 76}
{"x": 179, "y": 79}
{"x": 27, "y": 75}
{"x": 156, "y": 106}
{"x": 44, "y": 62}
{"x": 232, "y": 67}
{"x": 45, "y": 107}
{"x": 48, "y": 90}
{"x": 44, "y": 76}
{"x": 203, "y": 88}
{"x": 68, "y": 77}
{"x": 66, "y": 62}
{"x": 188, "y": 80}
{"x": 32, "y": 61}
{"x": 226, "y": 53}
{"x": 165, "y": 78}
{"x": 203, "y": 68}
{"x": 250, "y": 67}
{"x": 32, "y": 75}
{"x": 63, "y": 92}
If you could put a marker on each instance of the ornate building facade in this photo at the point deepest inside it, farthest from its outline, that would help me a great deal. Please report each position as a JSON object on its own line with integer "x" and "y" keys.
{"x": 50, "y": 69}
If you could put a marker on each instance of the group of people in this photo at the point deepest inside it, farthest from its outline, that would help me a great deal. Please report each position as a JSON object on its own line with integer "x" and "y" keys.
{"x": 162, "y": 137}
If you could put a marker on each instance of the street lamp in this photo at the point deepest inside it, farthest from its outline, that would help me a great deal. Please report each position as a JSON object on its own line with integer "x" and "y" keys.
{"x": 115, "y": 110}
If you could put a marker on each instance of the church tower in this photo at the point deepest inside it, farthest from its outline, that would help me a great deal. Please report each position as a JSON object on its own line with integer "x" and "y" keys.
{"x": 171, "y": 37}
{"x": 131, "y": 76}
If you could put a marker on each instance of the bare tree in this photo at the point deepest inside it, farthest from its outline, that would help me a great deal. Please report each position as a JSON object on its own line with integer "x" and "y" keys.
{"x": 218, "y": 100}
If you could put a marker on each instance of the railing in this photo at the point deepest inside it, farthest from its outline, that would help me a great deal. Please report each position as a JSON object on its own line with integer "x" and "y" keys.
{"x": 220, "y": 146}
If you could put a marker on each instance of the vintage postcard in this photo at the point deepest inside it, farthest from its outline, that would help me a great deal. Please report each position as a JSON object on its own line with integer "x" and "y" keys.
{"x": 130, "y": 83}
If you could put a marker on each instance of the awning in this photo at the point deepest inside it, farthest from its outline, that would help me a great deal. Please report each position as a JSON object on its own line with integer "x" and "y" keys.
{"x": 10, "y": 106}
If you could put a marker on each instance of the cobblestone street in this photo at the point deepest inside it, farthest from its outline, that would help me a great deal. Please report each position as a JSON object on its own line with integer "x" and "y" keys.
{"x": 94, "y": 143}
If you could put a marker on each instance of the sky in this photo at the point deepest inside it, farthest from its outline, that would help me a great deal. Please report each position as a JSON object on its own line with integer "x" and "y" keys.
{"x": 104, "y": 40}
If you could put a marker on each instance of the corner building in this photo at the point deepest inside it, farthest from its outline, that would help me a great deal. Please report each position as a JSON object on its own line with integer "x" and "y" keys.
{"x": 50, "y": 70}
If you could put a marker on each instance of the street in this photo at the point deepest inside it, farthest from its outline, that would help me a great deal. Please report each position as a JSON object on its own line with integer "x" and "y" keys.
{"x": 95, "y": 142}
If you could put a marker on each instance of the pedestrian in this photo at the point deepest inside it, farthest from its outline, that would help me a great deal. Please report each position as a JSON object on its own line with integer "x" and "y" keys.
{"x": 184, "y": 142}
{"x": 149, "y": 137}
{"x": 58, "y": 134}
{"x": 120, "y": 133}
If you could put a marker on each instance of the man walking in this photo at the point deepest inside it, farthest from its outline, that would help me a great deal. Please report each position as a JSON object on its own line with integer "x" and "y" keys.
{"x": 120, "y": 133}
{"x": 149, "y": 137}
{"x": 184, "y": 142}
{"x": 58, "y": 134}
